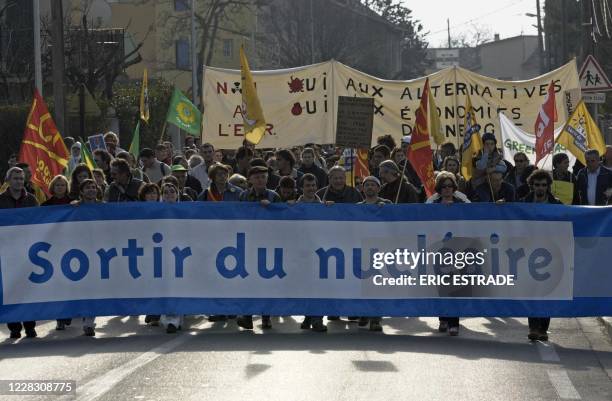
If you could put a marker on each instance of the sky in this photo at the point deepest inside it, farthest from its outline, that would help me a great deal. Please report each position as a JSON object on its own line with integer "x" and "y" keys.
{"x": 506, "y": 17}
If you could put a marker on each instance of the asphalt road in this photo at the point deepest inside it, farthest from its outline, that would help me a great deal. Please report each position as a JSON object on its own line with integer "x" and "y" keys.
{"x": 490, "y": 360}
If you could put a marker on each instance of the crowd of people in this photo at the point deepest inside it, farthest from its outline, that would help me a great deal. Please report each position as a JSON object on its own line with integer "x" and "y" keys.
{"x": 303, "y": 174}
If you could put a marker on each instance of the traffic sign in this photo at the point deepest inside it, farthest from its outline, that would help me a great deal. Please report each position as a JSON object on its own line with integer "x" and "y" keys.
{"x": 592, "y": 76}
{"x": 594, "y": 97}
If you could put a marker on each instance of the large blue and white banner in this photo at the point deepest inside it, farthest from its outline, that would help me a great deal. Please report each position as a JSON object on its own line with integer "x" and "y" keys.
{"x": 234, "y": 258}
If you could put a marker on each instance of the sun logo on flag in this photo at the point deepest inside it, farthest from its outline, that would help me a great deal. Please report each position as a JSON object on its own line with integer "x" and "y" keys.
{"x": 185, "y": 114}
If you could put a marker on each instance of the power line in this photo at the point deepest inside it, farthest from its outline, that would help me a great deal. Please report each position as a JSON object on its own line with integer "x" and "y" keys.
{"x": 477, "y": 17}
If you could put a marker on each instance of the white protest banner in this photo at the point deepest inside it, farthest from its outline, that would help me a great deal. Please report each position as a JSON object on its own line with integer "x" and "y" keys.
{"x": 299, "y": 104}
{"x": 515, "y": 140}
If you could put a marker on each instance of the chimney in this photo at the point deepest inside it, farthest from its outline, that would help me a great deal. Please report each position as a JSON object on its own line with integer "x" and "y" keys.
{"x": 496, "y": 37}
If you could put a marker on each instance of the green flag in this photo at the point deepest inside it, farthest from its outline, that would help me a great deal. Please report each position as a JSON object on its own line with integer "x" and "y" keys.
{"x": 135, "y": 145}
{"x": 86, "y": 157}
{"x": 184, "y": 114}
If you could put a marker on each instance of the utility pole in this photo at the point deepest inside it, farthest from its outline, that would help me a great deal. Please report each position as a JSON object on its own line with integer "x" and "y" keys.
{"x": 448, "y": 30}
{"x": 194, "y": 58}
{"x": 37, "y": 50}
{"x": 540, "y": 39}
{"x": 57, "y": 18}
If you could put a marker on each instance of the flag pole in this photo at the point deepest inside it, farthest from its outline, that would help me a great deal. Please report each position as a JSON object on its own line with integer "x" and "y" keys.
{"x": 399, "y": 188}
{"x": 352, "y": 168}
{"x": 161, "y": 138}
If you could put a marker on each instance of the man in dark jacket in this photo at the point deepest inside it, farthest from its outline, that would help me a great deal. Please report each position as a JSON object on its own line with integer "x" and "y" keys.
{"x": 16, "y": 196}
{"x": 395, "y": 184}
{"x": 540, "y": 182}
{"x": 494, "y": 189}
{"x": 124, "y": 187}
{"x": 337, "y": 191}
{"x": 594, "y": 181}
{"x": 308, "y": 166}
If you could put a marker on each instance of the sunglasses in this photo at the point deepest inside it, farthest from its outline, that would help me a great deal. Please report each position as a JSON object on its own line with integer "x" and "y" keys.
{"x": 447, "y": 186}
{"x": 521, "y": 161}
{"x": 540, "y": 185}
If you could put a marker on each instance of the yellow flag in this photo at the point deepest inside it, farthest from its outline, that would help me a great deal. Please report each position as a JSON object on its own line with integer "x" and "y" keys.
{"x": 144, "y": 98}
{"x": 252, "y": 114}
{"x": 581, "y": 133}
{"x": 434, "y": 121}
{"x": 472, "y": 143}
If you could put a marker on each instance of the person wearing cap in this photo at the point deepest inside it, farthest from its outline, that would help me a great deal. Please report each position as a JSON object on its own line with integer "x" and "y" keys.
{"x": 394, "y": 183}
{"x": 151, "y": 166}
{"x": 180, "y": 172}
{"x": 337, "y": 191}
{"x": 371, "y": 188}
{"x": 258, "y": 178}
{"x": 488, "y": 161}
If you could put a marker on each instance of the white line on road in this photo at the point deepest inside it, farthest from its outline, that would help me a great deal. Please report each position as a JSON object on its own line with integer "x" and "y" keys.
{"x": 563, "y": 385}
{"x": 97, "y": 387}
{"x": 547, "y": 352}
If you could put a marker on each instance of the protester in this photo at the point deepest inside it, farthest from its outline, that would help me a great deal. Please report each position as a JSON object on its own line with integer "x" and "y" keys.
{"x": 149, "y": 193}
{"x": 100, "y": 179}
{"x": 308, "y": 165}
{"x": 273, "y": 178}
{"x": 88, "y": 194}
{"x": 151, "y": 166}
{"x": 112, "y": 143}
{"x": 172, "y": 322}
{"x": 239, "y": 181}
{"x": 163, "y": 154}
{"x": 452, "y": 165}
{"x": 447, "y": 149}
{"x": 218, "y": 156}
{"x": 220, "y": 189}
{"x": 136, "y": 172}
{"x": 183, "y": 196}
{"x": 337, "y": 191}
{"x": 607, "y": 158}
{"x": 207, "y": 151}
{"x": 29, "y": 186}
{"x": 540, "y": 182}
{"x": 258, "y": 177}
{"x": 396, "y": 188}
{"x": 103, "y": 159}
{"x": 286, "y": 165}
{"x": 564, "y": 182}
{"x": 514, "y": 176}
{"x": 80, "y": 173}
{"x": 287, "y": 189}
{"x": 75, "y": 157}
{"x": 59, "y": 190}
{"x": 180, "y": 173}
{"x": 494, "y": 189}
{"x": 124, "y": 187}
{"x": 198, "y": 171}
{"x": 594, "y": 182}
{"x": 488, "y": 161}
{"x": 371, "y": 189}
{"x": 15, "y": 196}
{"x": 446, "y": 188}
{"x": 379, "y": 154}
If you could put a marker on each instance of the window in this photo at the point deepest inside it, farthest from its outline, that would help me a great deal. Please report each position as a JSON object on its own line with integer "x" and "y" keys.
{"x": 182, "y": 54}
{"x": 228, "y": 47}
{"x": 181, "y": 5}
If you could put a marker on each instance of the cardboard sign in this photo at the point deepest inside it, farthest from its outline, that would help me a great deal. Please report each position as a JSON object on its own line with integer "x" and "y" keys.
{"x": 355, "y": 122}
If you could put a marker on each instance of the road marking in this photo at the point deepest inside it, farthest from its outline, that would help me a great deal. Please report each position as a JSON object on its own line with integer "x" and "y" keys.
{"x": 547, "y": 352}
{"x": 563, "y": 385}
{"x": 97, "y": 387}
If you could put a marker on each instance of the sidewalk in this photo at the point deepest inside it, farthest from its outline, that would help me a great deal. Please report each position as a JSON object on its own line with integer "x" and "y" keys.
{"x": 607, "y": 322}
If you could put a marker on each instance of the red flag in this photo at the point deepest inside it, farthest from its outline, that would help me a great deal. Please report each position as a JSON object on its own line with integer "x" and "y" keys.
{"x": 545, "y": 125}
{"x": 42, "y": 147}
{"x": 361, "y": 163}
{"x": 419, "y": 152}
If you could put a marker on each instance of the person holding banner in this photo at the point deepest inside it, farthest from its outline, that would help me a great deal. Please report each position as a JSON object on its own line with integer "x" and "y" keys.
{"x": 88, "y": 194}
{"x": 172, "y": 322}
{"x": 258, "y": 178}
{"x": 371, "y": 190}
{"x": 540, "y": 182}
{"x": 337, "y": 191}
{"x": 494, "y": 190}
{"x": 446, "y": 187}
{"x": 220, "y": 189}
{"x": 15, "y": 196}
{"x": 594, "y": 182}
{"x": 564, "y": 182}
